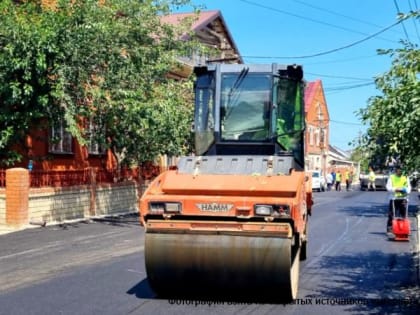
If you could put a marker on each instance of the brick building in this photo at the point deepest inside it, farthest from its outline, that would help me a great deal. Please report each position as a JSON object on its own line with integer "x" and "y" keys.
{"x": 317, "y": 127}
{"x": 59, "y": 179}
{"x": 54, "y": 148}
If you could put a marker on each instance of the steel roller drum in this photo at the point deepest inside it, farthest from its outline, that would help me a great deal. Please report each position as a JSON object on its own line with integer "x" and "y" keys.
{"x": 217, "y": 265}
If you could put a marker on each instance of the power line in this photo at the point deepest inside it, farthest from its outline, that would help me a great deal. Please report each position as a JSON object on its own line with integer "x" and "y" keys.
{"x": 338, "y": 77}
{"x": 341, "y": 60}
{"x": 348, "y": 87}
{"x": 414, "y": 21}
{"x": 328, "y": 51}
{"x": 317, "y": 62}
{"x": 338, "y": 14}
{"x": 336, "y": 60}
{"x": 308, "y": 18}
{"x": 345, "y": 123}
{"x": 402, "y": 24}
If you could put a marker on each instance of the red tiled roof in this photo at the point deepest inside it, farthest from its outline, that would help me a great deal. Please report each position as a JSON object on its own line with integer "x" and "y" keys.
{"x": 200, "y": 20}
{"x": 309, "y": 93}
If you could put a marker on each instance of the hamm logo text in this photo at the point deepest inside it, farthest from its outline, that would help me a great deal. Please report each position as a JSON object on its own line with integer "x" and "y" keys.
{"x": 214, "y": 207}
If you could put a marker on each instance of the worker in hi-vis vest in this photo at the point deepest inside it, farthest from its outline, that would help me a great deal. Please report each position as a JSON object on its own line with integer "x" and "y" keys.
{"x": 338, "y": 181}
{"x": 371, "y": 179}
{"x": 398, "y": 186}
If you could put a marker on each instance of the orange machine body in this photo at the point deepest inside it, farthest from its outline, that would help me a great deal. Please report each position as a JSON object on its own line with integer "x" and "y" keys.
{"x": 222, "y": 197}
{"x": 233, "y": 217}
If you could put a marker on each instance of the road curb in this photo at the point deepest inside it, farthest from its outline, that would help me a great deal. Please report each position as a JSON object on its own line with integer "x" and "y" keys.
{"x": 4, "y": 229}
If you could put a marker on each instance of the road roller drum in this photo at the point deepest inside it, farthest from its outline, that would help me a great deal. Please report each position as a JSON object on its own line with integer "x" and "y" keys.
{"x": 227, "y": 266}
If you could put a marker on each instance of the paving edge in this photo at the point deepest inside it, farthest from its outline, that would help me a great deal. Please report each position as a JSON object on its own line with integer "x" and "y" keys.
{"x": 4, "y": 229}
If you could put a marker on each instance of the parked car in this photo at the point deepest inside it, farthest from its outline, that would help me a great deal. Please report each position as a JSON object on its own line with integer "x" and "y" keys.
{"x": 318, "y": 181}
{"x": 380, "y": 180}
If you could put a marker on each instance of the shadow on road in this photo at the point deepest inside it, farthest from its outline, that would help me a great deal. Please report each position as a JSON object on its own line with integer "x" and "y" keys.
{"x": 131, "y": 219}
{"x": 373, "y": 209}
{"x": 123, "y": 220}
{"x": 364, "y": 273}
{"x": 142, "y": 290}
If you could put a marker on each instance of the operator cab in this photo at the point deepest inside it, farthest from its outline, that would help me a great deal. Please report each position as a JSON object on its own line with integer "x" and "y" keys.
{"x": 249, "y": 110}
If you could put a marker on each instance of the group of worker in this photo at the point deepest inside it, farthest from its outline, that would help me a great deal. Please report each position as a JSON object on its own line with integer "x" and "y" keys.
{"x": 334, "y": 179}
{"x": 398, "y": 186}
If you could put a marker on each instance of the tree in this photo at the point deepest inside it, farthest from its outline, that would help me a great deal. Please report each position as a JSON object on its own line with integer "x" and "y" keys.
{"x": 359, "y": 155}
{"x": 98, "y": 62}
{"x": 394, "y": 116}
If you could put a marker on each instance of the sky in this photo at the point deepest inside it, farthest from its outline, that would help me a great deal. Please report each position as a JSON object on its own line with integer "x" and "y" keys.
{"x": 334, "y": 41}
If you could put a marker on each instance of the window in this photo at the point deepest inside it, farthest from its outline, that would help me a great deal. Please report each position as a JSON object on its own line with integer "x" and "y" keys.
{"x": 204, "y": 113}
{"x": 311, "y": 136}
{"x": 61, "y": 141}
{"x": 245, "y": 107}
{"x": 317, "y": 137}
{"x": 94, "y": 147}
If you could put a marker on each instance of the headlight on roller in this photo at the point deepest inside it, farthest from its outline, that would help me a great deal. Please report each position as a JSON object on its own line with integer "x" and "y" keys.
{"x": 265, "y": 210}
{"x": 163, "y": 207}
{"x": 173, "y": 207}
{"x": 157, "y": 207}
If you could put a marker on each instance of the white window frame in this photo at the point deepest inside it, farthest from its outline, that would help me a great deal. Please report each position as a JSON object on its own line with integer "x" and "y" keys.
{"x": 94, "y": 148}
{"x": 311, "y": 136}
{"x": 317, "y": 136}
{"x": 64, "y": 143}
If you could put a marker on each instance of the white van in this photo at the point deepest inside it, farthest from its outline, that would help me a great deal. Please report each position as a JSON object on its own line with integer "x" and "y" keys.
{"x": 318, "y": 181}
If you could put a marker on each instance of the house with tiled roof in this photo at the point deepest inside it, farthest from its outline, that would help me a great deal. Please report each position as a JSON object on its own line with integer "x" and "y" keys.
{"x": 317, "y": 127}
{"x": 85, "y": 169}
{"x": 210, "y": 29}
{"x": 66, "y": 153}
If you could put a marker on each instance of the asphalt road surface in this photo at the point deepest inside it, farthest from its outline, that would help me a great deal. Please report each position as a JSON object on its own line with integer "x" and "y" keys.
{"x": 97, "y": 267}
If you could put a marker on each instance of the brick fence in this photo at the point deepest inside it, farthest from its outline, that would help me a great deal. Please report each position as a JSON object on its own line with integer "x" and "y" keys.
{"x": 21, "y": 205}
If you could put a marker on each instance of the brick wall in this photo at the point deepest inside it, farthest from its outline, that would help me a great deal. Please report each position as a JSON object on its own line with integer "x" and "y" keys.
{"x": 21, "y": 205}
{"x": 56, "y": 205}
{"x": 117, "y": 198}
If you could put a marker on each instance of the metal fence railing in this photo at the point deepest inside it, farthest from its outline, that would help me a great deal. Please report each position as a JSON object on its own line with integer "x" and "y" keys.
{"x": 87, "y": 176}
{"x": 59, "y": 178}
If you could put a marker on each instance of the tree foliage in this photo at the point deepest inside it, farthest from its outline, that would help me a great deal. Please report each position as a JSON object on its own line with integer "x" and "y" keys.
{"x": 359, "y": 155}
{"x": 104, "y": 62}
{"x": 394, "y": 116}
